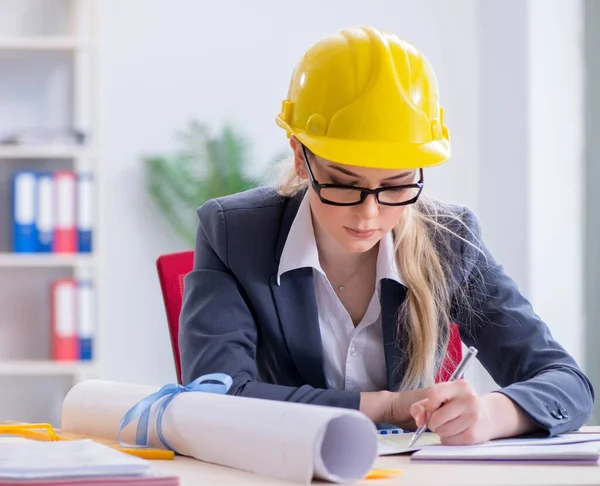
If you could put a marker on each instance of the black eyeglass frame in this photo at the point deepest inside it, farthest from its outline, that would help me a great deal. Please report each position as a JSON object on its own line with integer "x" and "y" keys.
{"x": 364, "y": 192}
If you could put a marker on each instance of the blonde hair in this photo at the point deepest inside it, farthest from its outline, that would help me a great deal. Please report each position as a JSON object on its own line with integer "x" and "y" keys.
{"x": 420, "y": 234}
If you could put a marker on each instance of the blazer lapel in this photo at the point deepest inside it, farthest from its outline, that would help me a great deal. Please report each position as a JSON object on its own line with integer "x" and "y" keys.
{"x": 297, "y": 307}
{"x": 393, "y": 296}
{"x": 298, "y": 315}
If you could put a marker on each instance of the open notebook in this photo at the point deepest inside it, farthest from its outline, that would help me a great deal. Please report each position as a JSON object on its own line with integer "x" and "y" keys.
{"x": 571, "y": 448}
{"x": 398, "y": 444}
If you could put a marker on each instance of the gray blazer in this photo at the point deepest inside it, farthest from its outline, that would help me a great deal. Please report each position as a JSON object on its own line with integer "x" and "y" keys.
{"x": 237, "y": 320}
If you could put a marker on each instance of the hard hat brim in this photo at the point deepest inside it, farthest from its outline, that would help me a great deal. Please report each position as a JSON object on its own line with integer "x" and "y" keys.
{"x": 378, "y": 155}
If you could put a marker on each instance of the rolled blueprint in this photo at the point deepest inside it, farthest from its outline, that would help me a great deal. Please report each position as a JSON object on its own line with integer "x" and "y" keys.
{"x": 289, "y": 441}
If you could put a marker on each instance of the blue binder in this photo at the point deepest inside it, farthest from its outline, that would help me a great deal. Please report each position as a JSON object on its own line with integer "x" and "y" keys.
{"x": 85, "y": 319}
{"x": 24, "y": 186}
{"x": 44, "y": 219}
{"x": 84, "y": 212}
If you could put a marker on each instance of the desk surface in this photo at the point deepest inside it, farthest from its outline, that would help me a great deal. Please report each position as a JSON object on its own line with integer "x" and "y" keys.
{"x": 193, "y": 473}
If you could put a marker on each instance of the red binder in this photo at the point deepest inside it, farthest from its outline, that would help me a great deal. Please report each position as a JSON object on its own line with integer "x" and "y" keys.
{"x": 65, "y": 343}
{"x": 65, "y": 233}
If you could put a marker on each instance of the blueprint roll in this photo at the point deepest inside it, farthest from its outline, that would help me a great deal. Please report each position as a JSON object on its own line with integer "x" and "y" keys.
{"x": 290, "y": 441}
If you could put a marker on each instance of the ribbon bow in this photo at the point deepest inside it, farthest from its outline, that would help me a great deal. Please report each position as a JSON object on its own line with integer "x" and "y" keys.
{"x": 143, "y": 408}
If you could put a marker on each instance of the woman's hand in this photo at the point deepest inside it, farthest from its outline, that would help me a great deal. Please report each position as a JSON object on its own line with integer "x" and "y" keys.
{"x": 460, "y": 416}
{"x": 391, "y": 407}
{"x": 456, "y": 413}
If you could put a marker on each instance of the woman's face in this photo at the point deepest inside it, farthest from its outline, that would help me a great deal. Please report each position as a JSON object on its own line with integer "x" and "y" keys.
{"x": 357, "y": 228}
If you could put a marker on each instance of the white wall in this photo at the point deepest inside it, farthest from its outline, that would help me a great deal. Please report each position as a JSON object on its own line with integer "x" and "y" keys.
{"x": 531, "y": 123}
{"x": 503, "y": 133}
{"x": 556, "y": 195}
{"x": 164, "y": 63}
{"x": 591, "y": 289}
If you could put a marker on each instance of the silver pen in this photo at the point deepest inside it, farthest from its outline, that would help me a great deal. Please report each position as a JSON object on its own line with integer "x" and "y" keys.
{"x": 457, "y": 375}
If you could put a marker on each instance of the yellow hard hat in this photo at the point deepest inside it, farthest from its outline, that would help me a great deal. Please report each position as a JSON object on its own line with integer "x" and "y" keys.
{"x": 365, "y": 97}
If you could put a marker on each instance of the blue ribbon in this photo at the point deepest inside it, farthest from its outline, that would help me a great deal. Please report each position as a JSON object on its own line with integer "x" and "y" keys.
{"x": 143, "y": 408}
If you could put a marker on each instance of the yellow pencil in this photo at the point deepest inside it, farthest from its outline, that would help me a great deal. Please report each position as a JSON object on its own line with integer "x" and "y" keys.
{"x": 46, "y": 433}
{"x": 383, "y": 473}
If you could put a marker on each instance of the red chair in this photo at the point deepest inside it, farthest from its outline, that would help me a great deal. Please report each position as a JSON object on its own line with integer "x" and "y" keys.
{"x": 173, "y": 267}
{"x": 453, "y": 355}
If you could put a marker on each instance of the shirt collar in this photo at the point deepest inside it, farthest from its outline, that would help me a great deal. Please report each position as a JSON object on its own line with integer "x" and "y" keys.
{"x": 300, "y": 249}
{"x": 386, "y": 260}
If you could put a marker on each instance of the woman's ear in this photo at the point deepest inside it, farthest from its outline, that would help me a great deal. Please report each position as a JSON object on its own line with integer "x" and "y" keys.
{"x": 299, "y": 165}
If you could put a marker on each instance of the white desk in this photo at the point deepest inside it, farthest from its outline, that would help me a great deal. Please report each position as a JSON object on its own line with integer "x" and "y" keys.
{"x": 194, "y": 473}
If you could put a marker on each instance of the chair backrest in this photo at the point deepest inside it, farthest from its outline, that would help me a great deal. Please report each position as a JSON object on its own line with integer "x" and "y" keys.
{"x": 173, "y": 267}
{"x": 453, "y": 355}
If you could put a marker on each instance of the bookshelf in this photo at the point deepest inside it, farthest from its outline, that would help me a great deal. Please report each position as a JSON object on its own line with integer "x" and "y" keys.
{"x": 15, "y": 260}
{"x": 42, "y": 153}
{"x": 49, "y": 66}
{"x": 66, "y": 44}
{"x": 44, "y": 368}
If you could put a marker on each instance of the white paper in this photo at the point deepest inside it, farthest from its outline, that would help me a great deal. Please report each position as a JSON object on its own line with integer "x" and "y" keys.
{"x": 29, "y": 459}
{"x": 284, "y": 440}
{"x": 398, "y": 443}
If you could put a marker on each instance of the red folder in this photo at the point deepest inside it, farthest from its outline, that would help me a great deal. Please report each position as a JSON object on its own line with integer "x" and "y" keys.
{"x": 65, "y": 343}
{"x": 65, "y": 232}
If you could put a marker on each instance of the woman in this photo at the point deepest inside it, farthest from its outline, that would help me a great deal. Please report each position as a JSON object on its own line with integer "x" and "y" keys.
{"x": 339, "y": 287}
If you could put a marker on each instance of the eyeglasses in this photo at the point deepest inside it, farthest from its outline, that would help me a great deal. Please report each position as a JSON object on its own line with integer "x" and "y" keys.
{"x": 341, "y": 195}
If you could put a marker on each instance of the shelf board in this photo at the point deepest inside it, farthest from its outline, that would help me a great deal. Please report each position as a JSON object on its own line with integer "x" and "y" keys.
{"x": 9, "y": 152}
{"x": 44, "y": 367}
{"x": 42, "y": 43}
{"x": 34, "y": 260}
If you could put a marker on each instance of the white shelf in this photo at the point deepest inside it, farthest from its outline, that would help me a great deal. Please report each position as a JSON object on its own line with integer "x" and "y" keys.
{"x": 44, "y": 367}
{"x": 74, "y": 51}
{"x": 42, "y": 152}
{"x": 33, "y": 260}
{"x": 43, "y": 43}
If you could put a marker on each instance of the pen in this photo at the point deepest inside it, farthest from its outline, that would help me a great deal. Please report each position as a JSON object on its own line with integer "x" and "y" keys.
{"x": 457, "y": 375}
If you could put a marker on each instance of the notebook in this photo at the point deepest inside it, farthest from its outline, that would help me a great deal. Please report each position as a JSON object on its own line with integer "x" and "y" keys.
{"x": 150, "y": 480}
{"x": 429, "y": 442}
{"x": 23, "y": 459}
{"x": 582, "y": 452}
{"x": 566, "y": 448}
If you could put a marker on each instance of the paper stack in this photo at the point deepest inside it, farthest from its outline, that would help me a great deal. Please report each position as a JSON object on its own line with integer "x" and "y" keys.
{"x": 28, "y": 462}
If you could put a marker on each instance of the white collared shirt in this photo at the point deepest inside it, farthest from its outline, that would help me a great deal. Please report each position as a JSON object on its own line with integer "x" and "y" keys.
{"x": 353, "y": 356}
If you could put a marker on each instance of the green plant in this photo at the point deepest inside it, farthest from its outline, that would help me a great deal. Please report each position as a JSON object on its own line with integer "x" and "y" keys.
{"x": 207, "y": 167}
